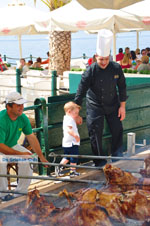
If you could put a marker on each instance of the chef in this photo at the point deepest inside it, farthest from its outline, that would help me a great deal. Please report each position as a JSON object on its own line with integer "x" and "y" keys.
{"x": 99, "y": 84}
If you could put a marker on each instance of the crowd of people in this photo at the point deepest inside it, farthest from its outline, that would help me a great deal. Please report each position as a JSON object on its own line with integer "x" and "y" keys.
{"x": 25, "y": 66}
{"x": 138, "y": 59}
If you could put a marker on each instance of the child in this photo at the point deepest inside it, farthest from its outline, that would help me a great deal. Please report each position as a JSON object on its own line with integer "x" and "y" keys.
{"x": 71, "y": 138}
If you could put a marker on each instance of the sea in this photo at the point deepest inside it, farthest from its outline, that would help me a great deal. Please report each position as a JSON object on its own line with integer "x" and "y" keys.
{"x": 82, "y": 43}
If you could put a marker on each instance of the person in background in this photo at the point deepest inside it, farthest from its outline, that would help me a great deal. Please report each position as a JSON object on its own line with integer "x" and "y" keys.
{"x": 120, "y": 55}
{"x": 91, "y": 60}
{"x": 99, "y": 84}
{"x": 127, "y": 50}
{"x": 138, "y": 62}
{"x": 47, "y": 60}
{"x": 138, "y": 55}
{"x": 147, "y": 50}
{"x": 126, "y": 61}
{"x": 23, "y": 66}
{"x": 37, "y": 64}
{"x": 3, "y": 66}
{"x": 144, "y": 66}
{"x": 143, "y": 52}
{"x": 133, "y": 59}
{"x": 12, "y": 123}
{"x": 148, "y": 54}
{"x": 71, "y": 138}
{"x": 1, "y": 58}
{"x": 30, "y": 62}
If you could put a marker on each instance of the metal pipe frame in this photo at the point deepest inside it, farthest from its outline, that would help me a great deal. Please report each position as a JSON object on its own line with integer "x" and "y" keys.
{"x": 65, "y": 165}
{"x": 76, "y": 166}
{"x": 53, "y": 179}
{"x": 97, "y": 157}
{"x": 26, "y": 193}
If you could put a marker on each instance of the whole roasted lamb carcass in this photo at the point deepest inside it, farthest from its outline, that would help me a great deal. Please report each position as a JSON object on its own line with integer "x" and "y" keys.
{"x": 122, "y": 181}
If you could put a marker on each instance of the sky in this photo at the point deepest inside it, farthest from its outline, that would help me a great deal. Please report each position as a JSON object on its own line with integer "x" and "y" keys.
{"x": 39, "y": 5}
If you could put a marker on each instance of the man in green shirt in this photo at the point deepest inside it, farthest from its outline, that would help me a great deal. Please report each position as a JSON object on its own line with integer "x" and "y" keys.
{"x": 12, "y": 123}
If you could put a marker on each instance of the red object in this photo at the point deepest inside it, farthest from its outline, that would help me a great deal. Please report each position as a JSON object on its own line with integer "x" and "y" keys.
{"x": 126, "y": 66}
{"x": 45, "y": 61}
{"x": 119, "y": 56}
{"x": 90, "y": 61}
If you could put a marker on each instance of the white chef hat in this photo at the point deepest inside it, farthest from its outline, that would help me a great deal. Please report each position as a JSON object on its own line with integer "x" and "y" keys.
{"x": 104, "y": 41}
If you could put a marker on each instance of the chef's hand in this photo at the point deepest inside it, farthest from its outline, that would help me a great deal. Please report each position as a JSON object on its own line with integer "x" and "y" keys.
{"x": 79, "y": 120}
{"x": 122, "y": 113}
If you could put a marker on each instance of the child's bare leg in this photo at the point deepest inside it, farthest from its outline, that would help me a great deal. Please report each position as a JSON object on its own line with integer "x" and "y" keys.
{"x": 64, "y": 161}
{"x": 73, "y": 164}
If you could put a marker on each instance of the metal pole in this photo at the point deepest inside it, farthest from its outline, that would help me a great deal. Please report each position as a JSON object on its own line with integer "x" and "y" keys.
{"x": 53, "y": 90}
{"x": 18, "y": 80}
{"x": 96, "y": 157}
{"x": 84, "y": 56}
{"x": 20, "y": 47}
{"x": 54, "y": 179}
{"x": 4, "y": 57}
{"x": 144, "y": 142}
{"x": 131, "y": 143}
{"x": 137, "y": 38}
{"x": 114, "y": 44}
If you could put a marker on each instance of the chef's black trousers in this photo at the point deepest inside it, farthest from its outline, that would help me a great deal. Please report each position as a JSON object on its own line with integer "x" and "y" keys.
{"x": 95, "y": 129}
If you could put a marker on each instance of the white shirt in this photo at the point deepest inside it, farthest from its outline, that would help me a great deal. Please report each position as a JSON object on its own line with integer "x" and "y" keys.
{"x": 69, "y": 140}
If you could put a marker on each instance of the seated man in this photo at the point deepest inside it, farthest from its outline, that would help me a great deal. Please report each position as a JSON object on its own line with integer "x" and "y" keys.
{"x": 23, "y": 66}
{"x": 12, "y": 123}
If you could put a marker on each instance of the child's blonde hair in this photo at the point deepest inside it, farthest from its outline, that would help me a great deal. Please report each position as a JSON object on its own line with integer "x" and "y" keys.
{"x": 71, "y": 106}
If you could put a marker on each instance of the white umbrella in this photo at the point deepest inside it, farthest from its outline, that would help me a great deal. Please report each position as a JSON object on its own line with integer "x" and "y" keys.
{"x": 23, "y": 20}
{"x": 73, "y": 17}
{"x": 108, "y": 4}
{"x": 142, "y": 11}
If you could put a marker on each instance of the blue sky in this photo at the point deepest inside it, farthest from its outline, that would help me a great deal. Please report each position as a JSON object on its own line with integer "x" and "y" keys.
{"x": 40, "y": 5}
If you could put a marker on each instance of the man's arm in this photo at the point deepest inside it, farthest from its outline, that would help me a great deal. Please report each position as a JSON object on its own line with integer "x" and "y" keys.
{"x": 10, "y": 151}
{"x": 121, "y": 83}
{"x": 122, "y": 94}
{"x": 33, "y": 141}
{"x": 83, "y": 86}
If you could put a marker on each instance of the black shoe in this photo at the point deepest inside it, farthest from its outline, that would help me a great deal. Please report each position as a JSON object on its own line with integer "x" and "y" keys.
{"x": 74, "y": 173}
{"x": 101, "y": 163}
{"x": 58, "y": 170}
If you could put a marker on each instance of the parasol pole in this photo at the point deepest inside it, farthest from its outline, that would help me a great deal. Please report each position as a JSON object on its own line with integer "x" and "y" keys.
{"x": 137, "y": 38}
{"x": 20, "y": 47}
{"x": 114, "y": 44}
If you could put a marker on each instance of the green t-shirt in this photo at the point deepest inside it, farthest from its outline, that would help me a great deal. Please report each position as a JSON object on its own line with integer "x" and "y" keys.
{"x": 10, "y": 130}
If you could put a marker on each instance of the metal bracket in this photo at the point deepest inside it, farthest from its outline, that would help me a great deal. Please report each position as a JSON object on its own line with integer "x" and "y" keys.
{"x": 52, "y": 154}
{"x": 131, "y": 137}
